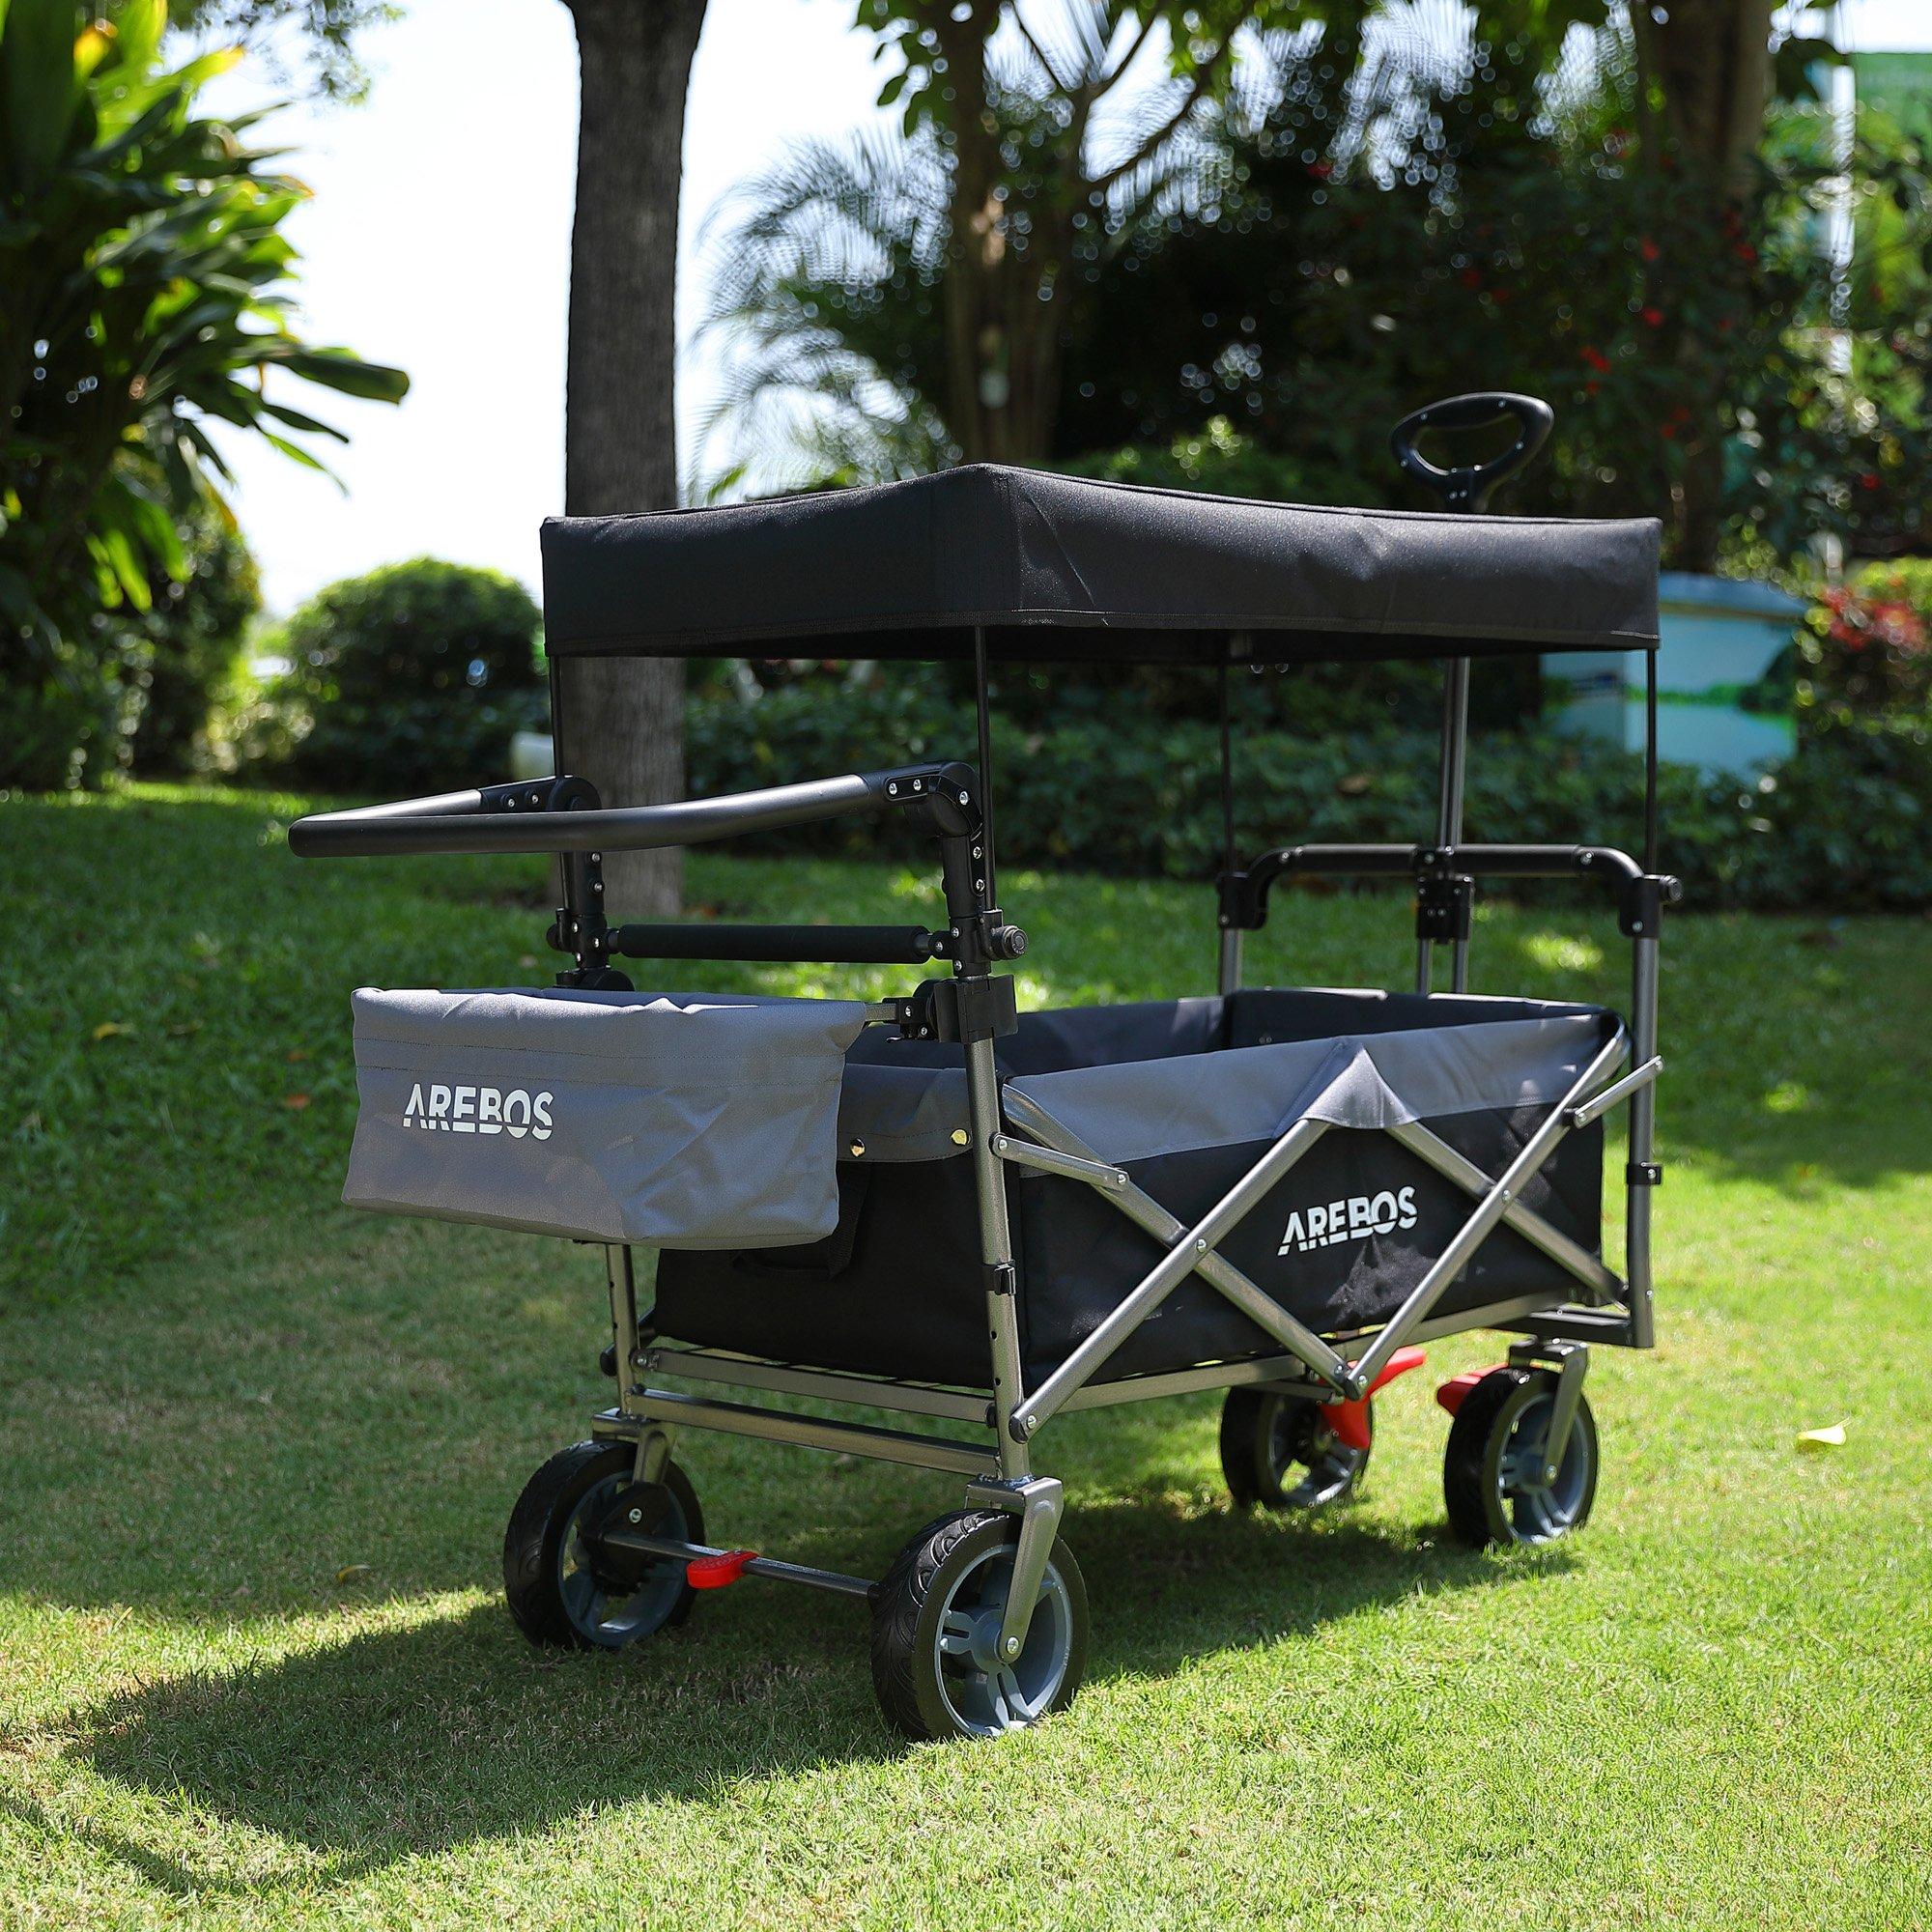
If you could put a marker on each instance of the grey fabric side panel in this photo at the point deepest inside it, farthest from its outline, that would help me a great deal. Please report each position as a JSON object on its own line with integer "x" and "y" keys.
{"x": 1139, "y": 1110}
{"x": 682, "y": 1121}
{"x": 907, "y": 1099}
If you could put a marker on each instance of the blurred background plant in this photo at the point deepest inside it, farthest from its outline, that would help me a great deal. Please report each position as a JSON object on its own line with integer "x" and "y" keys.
{"x": 1293, "y": 247}
{"x": 148, "y": 290}
{"x": 396, "y": 679}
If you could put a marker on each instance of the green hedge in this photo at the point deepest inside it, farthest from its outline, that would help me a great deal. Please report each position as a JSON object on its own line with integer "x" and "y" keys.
{"x": 1843, "y": 825}
{"x": 400, "y": 678}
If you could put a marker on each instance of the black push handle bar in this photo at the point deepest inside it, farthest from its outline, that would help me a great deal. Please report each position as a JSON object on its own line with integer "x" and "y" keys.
{"x": 1245, "y": 893}
{"x": 1471, "y": 486}
{"x": 514, "y": 818}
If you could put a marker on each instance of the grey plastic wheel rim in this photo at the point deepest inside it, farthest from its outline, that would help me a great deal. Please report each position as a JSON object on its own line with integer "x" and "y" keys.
{"x": 1538, "y": 1512}
{"x": 613, "y": 1617}
{"x": 1298, "y": 1437}
{"x": 985, "y": 1695}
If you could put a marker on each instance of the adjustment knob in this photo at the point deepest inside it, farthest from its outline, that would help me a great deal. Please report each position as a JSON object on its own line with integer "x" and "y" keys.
{"x": 1007, "y": 942}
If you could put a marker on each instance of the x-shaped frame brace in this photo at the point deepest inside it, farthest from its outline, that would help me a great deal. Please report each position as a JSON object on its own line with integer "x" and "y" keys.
{"x": 1194, "y": 1250}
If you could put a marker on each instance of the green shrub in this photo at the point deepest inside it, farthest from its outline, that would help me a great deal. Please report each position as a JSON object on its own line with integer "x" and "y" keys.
{"x": 1840, "y": 826}
{"x": 402, "y": 679}
{"x": 187, "y": 647}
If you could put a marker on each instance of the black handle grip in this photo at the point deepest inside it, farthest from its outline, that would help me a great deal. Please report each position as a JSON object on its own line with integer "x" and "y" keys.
{"x": 812, "y": 945}
{"x": 464, "y": 822}
{"x": 1470, "y": 487}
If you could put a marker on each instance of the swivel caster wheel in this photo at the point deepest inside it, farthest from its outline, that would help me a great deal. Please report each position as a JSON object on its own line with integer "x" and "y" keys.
{"x": 1494, "y": 1470}
{"x": 936, "y": 1618}
{"x": 565, "y": 1585}
{"x": 1280, "y": 1452}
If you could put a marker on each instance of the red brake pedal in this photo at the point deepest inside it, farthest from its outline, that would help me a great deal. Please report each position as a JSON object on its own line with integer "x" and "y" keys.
{"x": 713, "y": 1572}
{"x": 1348, "y": 1421}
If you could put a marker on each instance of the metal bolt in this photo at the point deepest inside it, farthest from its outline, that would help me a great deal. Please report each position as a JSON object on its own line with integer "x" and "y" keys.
{"x": 1199, "y": 1247}
{"x": 1011, "y": 1646}
{"x": 858, "y": 1147}
{"x": 959, "y": 1137}
{"x": 892, "y": 790}
{"x": 637, "y": 1516}
{"x": 965, "y": 798}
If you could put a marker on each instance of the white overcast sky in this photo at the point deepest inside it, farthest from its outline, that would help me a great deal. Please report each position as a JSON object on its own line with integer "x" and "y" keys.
{"x": 439, "y": 238}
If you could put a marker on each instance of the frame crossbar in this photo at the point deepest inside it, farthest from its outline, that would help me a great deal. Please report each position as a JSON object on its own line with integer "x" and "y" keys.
{"x": 1488, "y": 1215}
{"x": 1572, "y": 1256}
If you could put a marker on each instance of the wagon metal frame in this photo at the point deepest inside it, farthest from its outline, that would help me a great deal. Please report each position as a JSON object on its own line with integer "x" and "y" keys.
{"x": 986, "y": 1433}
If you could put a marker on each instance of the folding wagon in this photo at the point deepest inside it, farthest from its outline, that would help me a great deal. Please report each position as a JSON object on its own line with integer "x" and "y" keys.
{"x": 978, "y": 1218}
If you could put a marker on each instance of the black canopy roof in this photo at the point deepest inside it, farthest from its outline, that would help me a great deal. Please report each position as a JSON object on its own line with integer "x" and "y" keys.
{"x": 1062, "y": 568}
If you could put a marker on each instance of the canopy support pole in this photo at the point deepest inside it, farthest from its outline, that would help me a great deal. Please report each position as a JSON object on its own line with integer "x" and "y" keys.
{"x": 983, "y": 709}
{"x": 1230, "y": 935}
{"x": 1449, "y": 831}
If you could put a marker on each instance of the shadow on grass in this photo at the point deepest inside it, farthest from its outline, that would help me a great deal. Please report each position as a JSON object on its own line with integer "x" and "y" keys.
{"x": 411, "y": 1741}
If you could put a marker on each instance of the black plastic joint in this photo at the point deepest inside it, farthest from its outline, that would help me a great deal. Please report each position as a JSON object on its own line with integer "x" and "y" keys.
{"x": 1643, "y": 1174}
{"x": 1000, "y": 1277}
{"x": 984, "y": 1007}
{"x": 981, "y": 1006}
{"x": 1443, "y": 903}
{"x": 1641, "y": 902}
{"x": 945, "y": 803}
{"x": 1243, "y": 903}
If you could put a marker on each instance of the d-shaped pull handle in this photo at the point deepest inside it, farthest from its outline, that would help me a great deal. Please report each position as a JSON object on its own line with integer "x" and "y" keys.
{"x": 1470, "y": 487}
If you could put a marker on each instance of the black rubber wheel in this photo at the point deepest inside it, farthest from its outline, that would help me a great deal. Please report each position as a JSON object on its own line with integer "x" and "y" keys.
{"x": 561, "y": 1587}
{"x": 935, "y": 1630}
{"x": 1278, "y": 1451}
{"x": 1493, "y": 1468}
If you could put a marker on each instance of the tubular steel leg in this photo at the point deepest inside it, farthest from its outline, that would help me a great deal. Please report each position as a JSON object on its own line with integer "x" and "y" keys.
{"x": 1230, "y": 960}
{"x": 621, "y": 1278}
{"x": 653, "y": 1441}
{"x": 1643, "y": 1137}
{"x": 1449, "y": 805}
{"x": 996, "y": 1253}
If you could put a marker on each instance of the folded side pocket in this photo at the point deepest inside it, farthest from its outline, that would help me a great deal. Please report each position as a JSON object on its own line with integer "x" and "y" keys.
{"x": 673, "y": 1120}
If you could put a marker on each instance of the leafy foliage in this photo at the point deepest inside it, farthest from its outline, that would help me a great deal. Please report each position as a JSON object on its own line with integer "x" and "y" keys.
{"x": 1327, "y": 241}
{"x": 1120, "y": 788}
{"x": 324, "y": 31}
{"x": 1866, "y": 650}
{"x": 185, "y": 650}
{"x": 148, "y": 298}
{"x": 404, "y": 679}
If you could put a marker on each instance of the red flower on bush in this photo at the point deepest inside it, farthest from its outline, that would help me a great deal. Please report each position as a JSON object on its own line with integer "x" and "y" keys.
{"x": 1652, "y": 315}
{"x": 1595, "y": 357}
{"x": 1871, "y": 651}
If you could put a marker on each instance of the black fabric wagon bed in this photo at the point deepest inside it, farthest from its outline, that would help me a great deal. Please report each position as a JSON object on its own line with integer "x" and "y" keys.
{"x": 1185, "y": 1096}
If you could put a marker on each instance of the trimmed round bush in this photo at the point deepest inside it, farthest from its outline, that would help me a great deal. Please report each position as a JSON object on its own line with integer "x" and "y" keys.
{"x": 411, "y": 677}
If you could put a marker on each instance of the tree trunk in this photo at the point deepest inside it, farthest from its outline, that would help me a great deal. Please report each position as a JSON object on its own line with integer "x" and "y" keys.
{"x": 623, "y": 719}
{"x": 1710, "y": 63}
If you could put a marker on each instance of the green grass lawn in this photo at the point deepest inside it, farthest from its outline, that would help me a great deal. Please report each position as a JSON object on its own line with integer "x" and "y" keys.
{"x": 256, "y": 1454}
